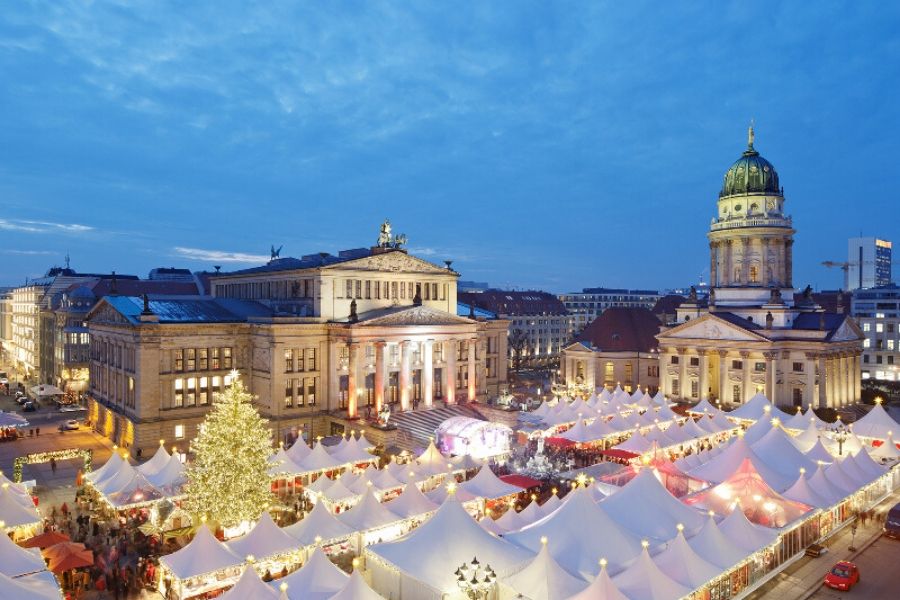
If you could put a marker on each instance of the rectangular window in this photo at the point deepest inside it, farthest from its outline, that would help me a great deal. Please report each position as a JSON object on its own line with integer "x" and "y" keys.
{"x": 343, "y": 391}
{"x": 216, "y": 386}
{"x": 438, "y": 351}
{"x": 179, "y": 360}
{"x": 695, "y": 388}
{"x": 311, "y": 390}
{"x": 349, "y": 289}
{"x": 204, "y": 390}
{"x": 288, "y": 361}
{"x": 695, "y": 361}
{"x": 190, "y": 359}
{"x": 214, "y": 359}
{"x": 759, "y": 367}
{"x": 378, "y": 290}
{"x": 798, "y": 367}
{"x": 737, "y": 364}
{"x": 359, "y": 289}
{"x": 310, "y": 359}
{"x": 673, "y": 360}
{"x": 179, "y": 432}
{"x": 434, "y": 292}
{"x": 676, "y": 387}
{"x": 879, "y": 328}
{"x": 226, "y": 358}
{"x": 394, "y": 290}
{"x": 288, "y": 393}
{"x": 191, "y": 397}
{"x": 736, "y": 394}
{"x": 178, "y": 401}
{"x": 867, "y": 326}
{"x": 368, "y": 290}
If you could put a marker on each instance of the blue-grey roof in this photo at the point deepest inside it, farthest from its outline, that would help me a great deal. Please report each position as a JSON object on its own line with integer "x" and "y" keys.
{"x": 737, "y": 320}
{"x": 310, "y": 261}
{"x": 462, "y": 310}
{"x": 190, "y": 310}
{"x": 812, "y": 320}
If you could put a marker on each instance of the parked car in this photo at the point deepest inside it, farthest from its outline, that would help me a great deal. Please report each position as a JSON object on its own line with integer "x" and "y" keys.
{"x": 843, "y": 576}
{"x": 69, "y": 425}
{"x": 892, "y": 523}
{"x": 29, "y": 407}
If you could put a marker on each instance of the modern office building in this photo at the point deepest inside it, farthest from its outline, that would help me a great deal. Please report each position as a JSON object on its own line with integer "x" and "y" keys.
{"x": 868, "y": 263}
{"x": 589, "y": 303}
{"x": 877, "y": 310}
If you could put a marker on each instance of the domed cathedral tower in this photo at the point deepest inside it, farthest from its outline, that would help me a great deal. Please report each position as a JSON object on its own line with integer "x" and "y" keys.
{"x": 751, "y": 238}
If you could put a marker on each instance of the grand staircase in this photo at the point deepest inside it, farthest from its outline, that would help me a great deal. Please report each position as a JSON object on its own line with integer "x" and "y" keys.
{"x": 416, "y": 428}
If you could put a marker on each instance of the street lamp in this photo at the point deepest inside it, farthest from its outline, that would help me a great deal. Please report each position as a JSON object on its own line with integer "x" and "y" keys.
{"x": 475, "y": 579}
{"x": 841, "y": 433}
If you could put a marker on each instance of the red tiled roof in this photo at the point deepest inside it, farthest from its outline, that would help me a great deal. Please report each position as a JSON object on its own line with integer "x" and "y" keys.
{"x": 621, "y": 329}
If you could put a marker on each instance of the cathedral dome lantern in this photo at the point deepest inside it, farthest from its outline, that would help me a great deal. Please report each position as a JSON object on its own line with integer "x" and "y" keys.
{"x": 751, "y": 174}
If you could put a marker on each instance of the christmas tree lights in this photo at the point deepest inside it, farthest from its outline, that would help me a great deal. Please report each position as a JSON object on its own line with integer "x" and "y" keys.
{"x": 228, "y": 480}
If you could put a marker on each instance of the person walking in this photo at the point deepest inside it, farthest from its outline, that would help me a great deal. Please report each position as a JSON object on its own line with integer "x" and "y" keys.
{"x": 53, "y": 465}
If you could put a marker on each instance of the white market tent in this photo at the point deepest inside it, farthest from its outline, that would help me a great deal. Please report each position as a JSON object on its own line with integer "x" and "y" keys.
{"x": 807, "y": 438}
{"x": 31, "y": 587}
{"x": 299, "y": 451}
{"x": 319, "y": 460}
{"x": 250, "y": 587}
{"x": 819, "y": 453}
{"x": 488, "y": 486}
{"x": 601, "y": 588}
{"x": 157, "y": 462}
{"x": 203, "y": 554}
{"x": 796, "y": 421}
{"x": 754, "y": 409}
{"x": 411, "y": 503}
{"x": 778, "y": 451}
{"x": 549, "y": 505}
{"x": 578, "y": 532}
{"x": 280, "y": 463}
{"x": 876, "y": 424}
{"x": 636, "y": 444}
{"x": 317, "y": 579}
{"x": 543, "y": 579}
{"x": 802, "y": 492}
{"x": 643, "y": 580}
{"x": 321, "y": 523}
{"x": 682, "y": 563}
{"x": 821, "y": 485}
{"x": 354, "y": 451}
{"x": 109, "y": 468}
{"x": 745, "y": 534}
{"x": 16, "y": 560}
{"x": 714, "y": 546}
{"x": 692, "y": 430}
{"x": 887, "y": 451}
{"x": 170, "y": 478}
{"x": 703, "y": 407}
{"x": 425, "y": 558}
{"x": 356, "y": 588}
{"x": 265, "y": 540}
{"x": 645, "y": 507}
{"x": 14, "y": 512}
{"x": 368, "y": 514}
{"x": 728, "y": 461}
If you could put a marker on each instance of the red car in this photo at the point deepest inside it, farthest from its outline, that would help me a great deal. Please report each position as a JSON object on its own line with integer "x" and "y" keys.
{"x": 843, "y": 576}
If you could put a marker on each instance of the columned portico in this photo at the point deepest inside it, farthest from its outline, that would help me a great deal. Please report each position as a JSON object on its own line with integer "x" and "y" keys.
{"x": 771, "y": 376}
{"x": 352, "y": 379}
{"x": 809, "y": 395}
{"x": 450, "y": 372}
{"x": 683, "y": 387}
{"x": 404, "y": 379}
{"x": 471, "y": 369}
{"x": 428, "y": 372}
{"x": 704, "y": 374}
{"x": 823, "y": 380}
{"x": 380, "y": 369}
{"x": 747, "y": 387}
{"x": 723, "y": 376}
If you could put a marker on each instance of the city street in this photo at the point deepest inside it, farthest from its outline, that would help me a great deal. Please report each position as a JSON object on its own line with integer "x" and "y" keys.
{"x": 878, "y": 573}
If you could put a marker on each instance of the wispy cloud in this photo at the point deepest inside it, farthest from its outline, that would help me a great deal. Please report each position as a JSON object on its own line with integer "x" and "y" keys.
{"x": 42, "y": 226}
{"x": 224, "y": 256}
{"x": 29, "y": 252}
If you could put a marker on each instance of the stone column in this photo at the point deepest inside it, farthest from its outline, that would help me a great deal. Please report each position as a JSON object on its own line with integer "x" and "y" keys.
{"x": 764, "y": 263}
{"x": 770, "y": 375}
{"x": 713, "y": 261}
{"x": 450, "y": 371}
{"x": 704, "y": 374}
{"x": 823, "y": 379}
{"x": 380, "y": 367}
{"x": 663, "y": 374}
{"x": 404, "y": 375}
{"x": 723, "y": 376}
{"x": 428, "y": 372}
{"x": 683, "y": 387}
{"x": 746, "y": 388}
{"x": 726, "y": 264}
{"x": 788, "y": 257}
{"x": 745, "y": 261}
{"x": 471, "y": 369}
{"x": 352, "y": 379}
{"x": 857, "y": 378}
{"x": 848, "y": 381}
{"x": 809, "y": 397}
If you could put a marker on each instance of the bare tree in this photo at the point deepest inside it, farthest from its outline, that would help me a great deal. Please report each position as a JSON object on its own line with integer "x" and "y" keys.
{"x": 518, "y": 340}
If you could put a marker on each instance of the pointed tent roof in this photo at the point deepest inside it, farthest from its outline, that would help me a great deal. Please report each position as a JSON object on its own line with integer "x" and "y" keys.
{"x": 819, "y": 453}
{"x": 599, "y": 429}
{"x": 138, "y": 490}
{"x": 618, "y": 424}
{"x": 738, "y": 529}
{"x": 109, "y": 468}
{"x": 549, "y": 505}
{"x": 203, "y": 554}
{"x": 338, "y": 492}
{"x": 887, "y": 451}
{"x": 264, "y": 540}
{"x": 544, "y": 579}
{"x": 714, "y": 546}
{"x": 643, "y": 580}
{"x": 542, "y": 410}
{"x": 808, "y": 437}
{"x": 703, "y": 407}
{"x": 118, "y": 480}
{"x": 665, "y": 413}
{"x": 754, "y": 409}
{"x": 318, "y": 460}
{"x": 802, "y": 492}
{"x": 466, "y": 462}
{"x": 487, "y": 485}
{"x": 13, "y": 512}
{"x": 601, "y": 588}
{"x": 797, "y": 420}
{"x": 299, "y": 451}
{"x": 281, "y": 462}
{"x": 440, "y": 495}
{"x": 320, "y": 522}
{"x": 367, "y": 514}
{"x": 810, "y": 414}
{"x": 579, "y": 433}
{"x": 356, "y": 588}
{"x": 723, "y": 422}
{"x": 865, "y": 464}
{"x": 846, "y": 480}
{"x": 778, "y": 451}
{"x": 157, "y": 462}
{"x": 491, "y": 526}
{"x": 758, "y": 430}
{"x": 821, "y": 484}
{"x": 250, "y": 587}
{"x": 578, "y": 532}
{"x": 16, "y": 561}
{"x": 852, "y": 444}
{"x": 578, "y": 405}
{"x": 353, "y": 452}
{"x": 659, "y": 399}
{"x": 432, "y": 456}
{"x": 682, "y": 563}
{"x": 169, "y": 478}
{"x": 725, "y": 463}
{"x": 335, "y": 448}
{"x": 876, "y": 424}
{"x": 411, "y": 503}
{"x": 748, "y": 488}
{"x": 647, "y": 508}
{"x": 693, "y": 430}
{"x": 637, "y": 443}
{"x": 448, "y": 538}
{"x": 384, "y": 480}
{"x": 512, "y": 521}
{"x": 317, "y": 579}
{"x": 322, "y": 483}
{"x": 29, "y": 588}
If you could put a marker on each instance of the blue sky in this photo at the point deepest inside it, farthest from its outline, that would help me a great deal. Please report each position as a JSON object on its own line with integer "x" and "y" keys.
{"x": 551, "y": 145}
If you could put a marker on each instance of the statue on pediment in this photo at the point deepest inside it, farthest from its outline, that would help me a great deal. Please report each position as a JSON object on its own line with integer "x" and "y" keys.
{"x": 384, "y": 237}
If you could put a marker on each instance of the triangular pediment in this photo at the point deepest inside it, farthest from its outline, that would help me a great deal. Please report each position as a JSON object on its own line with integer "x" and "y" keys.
{"x": 577, "y": 347}
{"x": 412, "y": 315}
{"x": 848, "y": 331}
{"x": 710, "y": 327}
{"x": 104, "y": 312}
{"x": 395, "y": 262}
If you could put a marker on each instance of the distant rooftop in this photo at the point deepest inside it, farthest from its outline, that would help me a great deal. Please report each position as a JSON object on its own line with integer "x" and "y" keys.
{"x": 502, "y": 302}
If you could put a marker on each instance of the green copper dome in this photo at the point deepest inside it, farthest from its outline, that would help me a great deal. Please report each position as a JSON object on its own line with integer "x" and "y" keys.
{"x": 751, "y": 174}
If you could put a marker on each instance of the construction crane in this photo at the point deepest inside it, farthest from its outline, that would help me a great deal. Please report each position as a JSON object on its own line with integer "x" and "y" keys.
{"x": 845, "y": 267}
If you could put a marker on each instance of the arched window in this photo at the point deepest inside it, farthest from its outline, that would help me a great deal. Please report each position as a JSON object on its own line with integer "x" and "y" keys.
{"x": 754, "y": 274}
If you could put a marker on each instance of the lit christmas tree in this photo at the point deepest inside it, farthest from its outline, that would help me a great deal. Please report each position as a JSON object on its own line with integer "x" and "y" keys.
{"x": 228, "y": 480}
